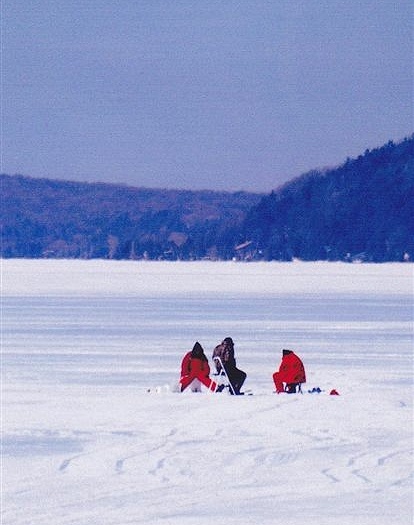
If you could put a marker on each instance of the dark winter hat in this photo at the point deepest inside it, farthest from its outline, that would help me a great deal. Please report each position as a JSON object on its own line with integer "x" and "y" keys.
{"x": 197, "y": 347}
{"x": 228, "y": 341}
{"x": 198, "y": 353}
{"x": 287, "y": 352}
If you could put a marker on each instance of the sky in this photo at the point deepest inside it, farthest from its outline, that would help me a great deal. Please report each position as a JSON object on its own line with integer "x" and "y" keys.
{"x": 201, "y": 94}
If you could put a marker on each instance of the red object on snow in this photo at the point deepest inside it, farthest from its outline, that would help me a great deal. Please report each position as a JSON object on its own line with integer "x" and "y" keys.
{"x": 291, "y": 370}
{"x": 334, "y": 393}
{"x": 194, "y": 368}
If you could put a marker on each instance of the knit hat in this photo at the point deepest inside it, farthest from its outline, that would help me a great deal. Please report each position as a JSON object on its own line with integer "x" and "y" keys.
{"x": 197, "y": 350}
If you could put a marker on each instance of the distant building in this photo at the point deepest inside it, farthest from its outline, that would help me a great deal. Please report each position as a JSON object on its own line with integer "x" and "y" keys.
{"x": 246, "y": 252}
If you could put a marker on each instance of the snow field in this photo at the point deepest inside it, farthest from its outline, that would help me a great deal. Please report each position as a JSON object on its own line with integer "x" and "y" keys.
{"x": 84, "y": 442}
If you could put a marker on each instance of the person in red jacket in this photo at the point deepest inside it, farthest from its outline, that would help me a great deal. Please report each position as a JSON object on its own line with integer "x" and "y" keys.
{"x": 291, "y": 373}
{"x": 195, "y": 370}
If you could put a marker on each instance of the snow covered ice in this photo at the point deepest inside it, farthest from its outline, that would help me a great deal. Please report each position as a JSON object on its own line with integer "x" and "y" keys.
{"x": 84, "y": 442}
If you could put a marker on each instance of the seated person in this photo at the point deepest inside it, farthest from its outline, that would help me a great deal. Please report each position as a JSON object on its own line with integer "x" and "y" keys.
{"x": 291, "y": 373}
{"x": 225, "y": 351}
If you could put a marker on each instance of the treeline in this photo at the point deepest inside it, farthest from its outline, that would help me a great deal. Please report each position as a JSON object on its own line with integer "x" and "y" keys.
{"x": 362, "y": 210}
{"x": 60, "y": 219}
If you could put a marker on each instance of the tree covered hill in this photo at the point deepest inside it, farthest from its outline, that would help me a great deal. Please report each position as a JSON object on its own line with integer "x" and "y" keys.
{"x": 362, "y": 210}
{"x": 50, "y": 218}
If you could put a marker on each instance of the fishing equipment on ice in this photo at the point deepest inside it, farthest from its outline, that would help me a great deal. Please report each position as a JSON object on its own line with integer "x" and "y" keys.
{"x": 315, "y": 390}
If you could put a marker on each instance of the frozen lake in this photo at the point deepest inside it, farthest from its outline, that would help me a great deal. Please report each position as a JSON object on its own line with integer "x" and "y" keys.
{"x": 85, "y": 443}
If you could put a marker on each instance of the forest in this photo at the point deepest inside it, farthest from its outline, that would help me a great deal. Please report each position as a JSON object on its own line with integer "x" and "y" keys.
{"x": 360, "y": 211}
{"x": 63, "y": 219}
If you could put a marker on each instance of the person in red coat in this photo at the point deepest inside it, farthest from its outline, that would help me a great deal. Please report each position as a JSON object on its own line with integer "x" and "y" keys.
{"x": 291, "y": 373}
{"x": 195, "y": 370}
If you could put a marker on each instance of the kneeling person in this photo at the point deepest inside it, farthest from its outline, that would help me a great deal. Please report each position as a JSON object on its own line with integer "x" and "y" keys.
{"x": 195, "y": 370}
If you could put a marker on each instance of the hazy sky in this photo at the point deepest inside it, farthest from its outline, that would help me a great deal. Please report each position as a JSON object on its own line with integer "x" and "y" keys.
{"x": 217, "y": 94}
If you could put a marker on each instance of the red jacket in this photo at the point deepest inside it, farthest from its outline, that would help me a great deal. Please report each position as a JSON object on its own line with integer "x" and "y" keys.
{"x": 193, "y": 366}
{"x": 291, "y": 369}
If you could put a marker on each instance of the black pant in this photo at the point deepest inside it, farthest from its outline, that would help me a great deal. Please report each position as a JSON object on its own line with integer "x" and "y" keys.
{"x": 291, "y": 388}
{"x": 236, "y": 377}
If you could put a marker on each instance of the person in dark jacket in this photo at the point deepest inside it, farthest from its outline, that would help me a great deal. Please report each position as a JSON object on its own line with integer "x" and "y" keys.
{"x": 195, "y": 370}
{"x": 225, "y": 351}
{"x": 291, "y": 373}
